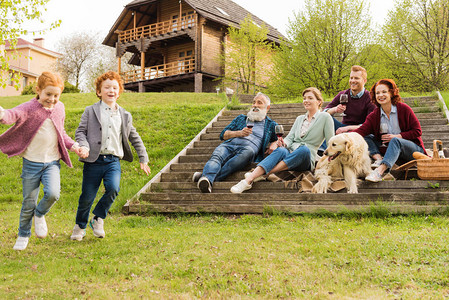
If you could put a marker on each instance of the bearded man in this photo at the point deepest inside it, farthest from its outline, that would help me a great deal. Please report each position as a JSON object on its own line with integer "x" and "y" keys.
{"x": 242, "y": 145}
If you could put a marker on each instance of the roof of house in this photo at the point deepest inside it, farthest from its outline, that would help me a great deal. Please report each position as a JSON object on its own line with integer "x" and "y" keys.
{"x": 213, "y": 10}
{"x": 21, "y": 43}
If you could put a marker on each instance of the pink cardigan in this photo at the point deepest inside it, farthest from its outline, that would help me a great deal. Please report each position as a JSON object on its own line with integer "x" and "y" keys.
{"x": 28, "y": 118}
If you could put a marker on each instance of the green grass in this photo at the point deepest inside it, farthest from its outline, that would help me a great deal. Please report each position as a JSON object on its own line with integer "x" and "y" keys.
{"x": 325, "y": 256}
{"x": 445, "y": 95}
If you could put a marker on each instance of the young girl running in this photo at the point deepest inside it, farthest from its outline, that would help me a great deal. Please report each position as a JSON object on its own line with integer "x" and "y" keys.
{"x": 38, "y": 136}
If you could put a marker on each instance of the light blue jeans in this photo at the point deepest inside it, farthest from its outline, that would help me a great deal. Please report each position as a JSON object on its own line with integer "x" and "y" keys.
{"x": 398, "y": 149}
{"x": 298, "y": 160}
{"x": 33, "y": 173}
{"x": 227, "y": 159}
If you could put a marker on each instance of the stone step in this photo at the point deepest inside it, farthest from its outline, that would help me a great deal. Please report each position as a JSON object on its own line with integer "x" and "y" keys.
{"x": 281, "y": 118}
{"x": 425, "y": 128}
{"x": 220, "y": 125}
{"x": 300, "y": 111}
{"x": 426, "y": 134}
{"x": 412, "y": 101}
{"x": 428, "y": 143}
{"x": 251, "y": 207}
{"x": 267, "y": 186}
{"x": 300, "y": 198}
{"x": 185, "y": 175}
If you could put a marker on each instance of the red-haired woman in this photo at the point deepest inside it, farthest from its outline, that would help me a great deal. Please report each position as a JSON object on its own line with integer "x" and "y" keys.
{"x": 403, "y": 130}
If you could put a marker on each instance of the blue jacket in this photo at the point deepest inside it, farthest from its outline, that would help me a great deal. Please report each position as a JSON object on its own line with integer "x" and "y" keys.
{"x": 269, "y": 135}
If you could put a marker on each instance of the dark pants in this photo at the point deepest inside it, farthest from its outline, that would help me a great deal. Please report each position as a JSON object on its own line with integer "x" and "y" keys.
{"x": 106, "y": 168}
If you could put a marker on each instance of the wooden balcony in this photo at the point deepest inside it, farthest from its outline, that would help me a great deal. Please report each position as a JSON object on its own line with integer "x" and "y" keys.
{"x": 159, "y": 71}
{"x": 156, "y": 28}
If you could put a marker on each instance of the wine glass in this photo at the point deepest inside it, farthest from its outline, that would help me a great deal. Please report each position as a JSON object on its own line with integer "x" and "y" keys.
{"x": 383, "y": 130}
{"x": 279, "y": 131}
{"x": 249, "y": 123}
{"x": 343, "y": 101}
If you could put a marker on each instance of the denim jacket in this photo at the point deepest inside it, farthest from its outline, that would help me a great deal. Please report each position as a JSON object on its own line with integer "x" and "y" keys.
{"x": 269, "y": 135}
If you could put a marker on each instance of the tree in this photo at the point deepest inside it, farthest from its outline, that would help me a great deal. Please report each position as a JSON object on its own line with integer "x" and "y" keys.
{"x": 323, "y": 44}
{"x": 80, "y": 52}
{"x": 13, "y": 15}
{"x": 247, "y": 55}
{"x": 416, "y": 35}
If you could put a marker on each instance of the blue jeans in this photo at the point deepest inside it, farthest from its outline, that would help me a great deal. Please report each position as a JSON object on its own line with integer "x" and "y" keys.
{"x": 33, "y": 173}
{"x": 398, "y": 149}
{"x": 227, "y": 159}
{"x": 298, "y": 160}
{"x": 106, "y": 168}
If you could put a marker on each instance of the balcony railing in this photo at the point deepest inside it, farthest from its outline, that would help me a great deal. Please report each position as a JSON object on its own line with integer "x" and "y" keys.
{"x": 159, "y": 71}
{"x": 156, "y": 28}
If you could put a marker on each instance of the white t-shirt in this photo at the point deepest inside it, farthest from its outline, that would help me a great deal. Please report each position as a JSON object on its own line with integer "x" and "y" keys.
{"x": 44, "y": 146}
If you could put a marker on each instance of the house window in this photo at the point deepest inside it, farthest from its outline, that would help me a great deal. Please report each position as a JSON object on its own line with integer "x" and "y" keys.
{"x": 174, "y": 22}
{"x": 184, "y": 61}
{"x": 11, "y": 79}
{"x": 186, "y": 20}
{"x": 25, "y": 81}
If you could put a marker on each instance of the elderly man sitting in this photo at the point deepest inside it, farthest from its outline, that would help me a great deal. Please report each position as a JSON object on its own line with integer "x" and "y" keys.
{"x": 242, "y": 144}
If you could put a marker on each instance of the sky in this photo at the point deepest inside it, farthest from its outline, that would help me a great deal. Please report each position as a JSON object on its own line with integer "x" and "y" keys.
{"x": 100, "y": 15}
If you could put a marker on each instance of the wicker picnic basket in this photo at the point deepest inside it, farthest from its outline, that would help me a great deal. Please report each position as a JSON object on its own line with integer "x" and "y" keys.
{"x": 435, "y": 168}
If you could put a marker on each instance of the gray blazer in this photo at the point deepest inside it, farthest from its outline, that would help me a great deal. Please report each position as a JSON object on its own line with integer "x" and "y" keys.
{"x": 88, "y": 134}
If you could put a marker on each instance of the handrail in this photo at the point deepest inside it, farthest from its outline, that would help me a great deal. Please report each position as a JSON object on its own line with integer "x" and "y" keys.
{"x": 155, "y": 29}
{"x": 186, "y": 65}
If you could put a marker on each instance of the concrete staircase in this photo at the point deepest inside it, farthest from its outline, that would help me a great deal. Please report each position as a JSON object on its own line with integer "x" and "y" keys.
{"x": 173, "y": 191}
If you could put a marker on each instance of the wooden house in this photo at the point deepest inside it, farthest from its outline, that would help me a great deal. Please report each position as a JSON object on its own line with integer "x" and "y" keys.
{"x": 176, "y": 43}
{"x": 26, "y": 62}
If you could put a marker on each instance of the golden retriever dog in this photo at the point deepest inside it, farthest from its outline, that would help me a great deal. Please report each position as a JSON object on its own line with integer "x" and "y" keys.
{"x": 346, "y": 157}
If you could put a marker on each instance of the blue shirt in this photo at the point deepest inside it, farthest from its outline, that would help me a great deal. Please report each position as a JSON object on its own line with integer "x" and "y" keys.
{"x": 269, "y": 135}
{"x": 254, "y": 140}
{"x": 359, "y": 95}
{"x": 393, "y": 121}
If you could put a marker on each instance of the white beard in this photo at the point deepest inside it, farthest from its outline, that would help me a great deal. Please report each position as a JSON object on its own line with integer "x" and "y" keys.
{"x": 256, "y": 115}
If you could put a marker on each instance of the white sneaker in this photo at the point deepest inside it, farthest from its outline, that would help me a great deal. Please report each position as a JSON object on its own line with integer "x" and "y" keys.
{"x": 204, "y": 185}
{"x": 260, "y": 178}
{"x": 21, "y": 243}
{"x": 374, "y": 176}
{"x": 196, "y": 176}
{"x": 241, "y": 187}
{"x": 97, "y": 227}
{"x": 40, "y": 227}
{"x": 376, "y": 164}
{"x": 78, "y": 233}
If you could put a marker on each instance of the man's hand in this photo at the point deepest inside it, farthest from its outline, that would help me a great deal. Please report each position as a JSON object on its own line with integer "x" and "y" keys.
{"x": 338, "y": 109}
{"x": 145, "y": 168}
{"x": 246, "y": 131}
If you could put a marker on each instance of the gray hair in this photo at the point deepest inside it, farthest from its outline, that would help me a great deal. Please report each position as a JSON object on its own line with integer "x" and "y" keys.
{"x": 267, "y": 99}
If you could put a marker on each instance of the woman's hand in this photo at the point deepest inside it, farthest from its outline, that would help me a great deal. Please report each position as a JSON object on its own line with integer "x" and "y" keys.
{"x": 280, "y": 142}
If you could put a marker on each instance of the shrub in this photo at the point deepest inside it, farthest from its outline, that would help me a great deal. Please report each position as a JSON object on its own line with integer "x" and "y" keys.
{"x": 29, "y": 89}
{"x": 68, "y": 88}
